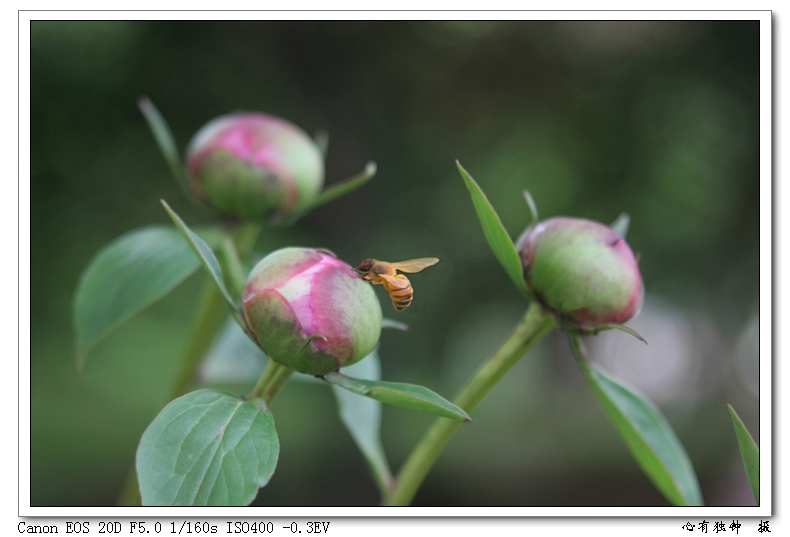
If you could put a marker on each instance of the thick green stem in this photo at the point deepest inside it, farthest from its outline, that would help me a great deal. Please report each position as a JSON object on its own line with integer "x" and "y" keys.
{"x": 530, "y": 329}
{"x": 272, "y": 382}
{"x": 210, "y": 314}
{"x": 232, "y": 269}
{"x": 265, "y": 379}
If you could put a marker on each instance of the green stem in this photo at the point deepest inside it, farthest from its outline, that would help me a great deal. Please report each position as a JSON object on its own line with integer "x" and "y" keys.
{"x": 245, "y": 235}
{"x": 211, "y": 312}
{"x": 531, "y": 328}
{"x": 272, "y": 381}
{"x": 265, "y": 379}
{"x": 232, "y": 269}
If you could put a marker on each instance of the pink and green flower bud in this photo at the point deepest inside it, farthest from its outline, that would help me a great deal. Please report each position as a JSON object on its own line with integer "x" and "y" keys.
{"x": 582, "y": 271}
{"x": 255, "y": 166}
{"x": 308, "y": 311}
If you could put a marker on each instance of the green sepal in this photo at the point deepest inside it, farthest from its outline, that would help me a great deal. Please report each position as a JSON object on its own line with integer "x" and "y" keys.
{"x": 533, "y": 208}
{"x": 339, "y": 189}
{"x": 208, "y": 260}
{"x": 321, "y": 139}
{"x": 495, "y": 233}
{"x": 622, "y": 224}
{"x": 386, "y": 322}
{"x": 400, "y": 394}
{"x": 621, "y": 327}
{"x": 165, "y": 140}
{"x": 750, "y": 454}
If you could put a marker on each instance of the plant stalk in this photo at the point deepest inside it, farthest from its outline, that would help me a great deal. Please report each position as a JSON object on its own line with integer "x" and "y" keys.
{"x": 211, "y": 312}
{"x": 272, "y": 382}
{"x": 530, "y": 329}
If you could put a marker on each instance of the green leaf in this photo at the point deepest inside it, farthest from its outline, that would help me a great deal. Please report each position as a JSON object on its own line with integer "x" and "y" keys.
{"x": 125, "y": 276}
{"x": 648, "y": 435}
{"x": 207, "y": 258}
{"x": 495, "y": 233}
{"x": 164, "y": 139}
{"x": 362, "y": 418}
{"x": 344, "y": 187}
{"x": 207, "y": 448}
{"x": 400, "y": 394}
{"x": 749, "y": 453}
{"x": 622, "y": 224}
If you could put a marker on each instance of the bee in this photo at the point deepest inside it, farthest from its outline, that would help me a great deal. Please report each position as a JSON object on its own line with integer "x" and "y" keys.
{"x": 397, "y": 285}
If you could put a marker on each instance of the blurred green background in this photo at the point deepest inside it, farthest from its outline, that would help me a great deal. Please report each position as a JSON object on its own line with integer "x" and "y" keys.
{"x": 659, "y": 119}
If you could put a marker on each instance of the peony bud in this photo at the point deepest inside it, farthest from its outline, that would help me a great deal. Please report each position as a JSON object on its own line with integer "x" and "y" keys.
{"x": 309, "y": 311}
{"x": 582, "y": 271}
{"x": 252, "y": 165}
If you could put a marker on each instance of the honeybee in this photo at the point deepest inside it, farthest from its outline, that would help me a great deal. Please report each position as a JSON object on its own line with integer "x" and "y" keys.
{"x": 397, "y": 285}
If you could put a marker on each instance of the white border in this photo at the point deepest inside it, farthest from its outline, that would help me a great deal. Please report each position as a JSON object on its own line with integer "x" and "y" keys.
{"x": 693, "y": 514}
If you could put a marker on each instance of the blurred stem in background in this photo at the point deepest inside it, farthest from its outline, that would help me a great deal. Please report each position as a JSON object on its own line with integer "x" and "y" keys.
{"x": 210, "y": 314}
{"x": 535, "y": 324}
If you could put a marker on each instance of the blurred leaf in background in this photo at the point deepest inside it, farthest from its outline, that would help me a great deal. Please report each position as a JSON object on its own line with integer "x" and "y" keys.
{"x": 659, "y": 119}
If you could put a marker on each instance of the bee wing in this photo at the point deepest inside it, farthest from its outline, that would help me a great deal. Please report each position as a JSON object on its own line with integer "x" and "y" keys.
{"x": 415, "y": 265}
{"x": 397, "y": 282}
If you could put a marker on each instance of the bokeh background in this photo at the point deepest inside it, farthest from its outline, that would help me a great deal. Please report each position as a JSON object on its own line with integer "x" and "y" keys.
{"x": 659, "y": 119}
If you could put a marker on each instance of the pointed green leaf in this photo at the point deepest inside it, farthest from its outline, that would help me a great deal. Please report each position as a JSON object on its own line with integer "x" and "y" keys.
{"x": 125, "y": 276}
{"x": 207, "y": 448}
{"x": 164, "y": 139}
{"x": 750, "y": 454}
{"x": 206, "y": 257}
{"x": 362, "y": 418}
{"x": 495, "y": 233}
{"x": 648, "y": 435}
{"x": 400, "y": 394}
{"x": 622, "y": 224}
{"x": 344, "y": 187}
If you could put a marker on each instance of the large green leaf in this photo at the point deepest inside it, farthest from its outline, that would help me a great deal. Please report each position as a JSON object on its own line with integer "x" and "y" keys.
{"x": 362, "y": 418}
{"x": 495, "y": 233}
{"x": 646, "y": 432}
{"x": 207, "y": 448}
{"x": 400, "y": 394}
{"x": 749, "y": 453}
{"x": 128, "y": 274}
{"x": 206, "y": 257}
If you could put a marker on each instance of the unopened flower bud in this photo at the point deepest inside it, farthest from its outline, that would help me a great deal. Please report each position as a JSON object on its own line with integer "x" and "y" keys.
{"x": 582, "y": 271}
{"x": 309, "y": 311}
{"x": 255, "y": 166}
